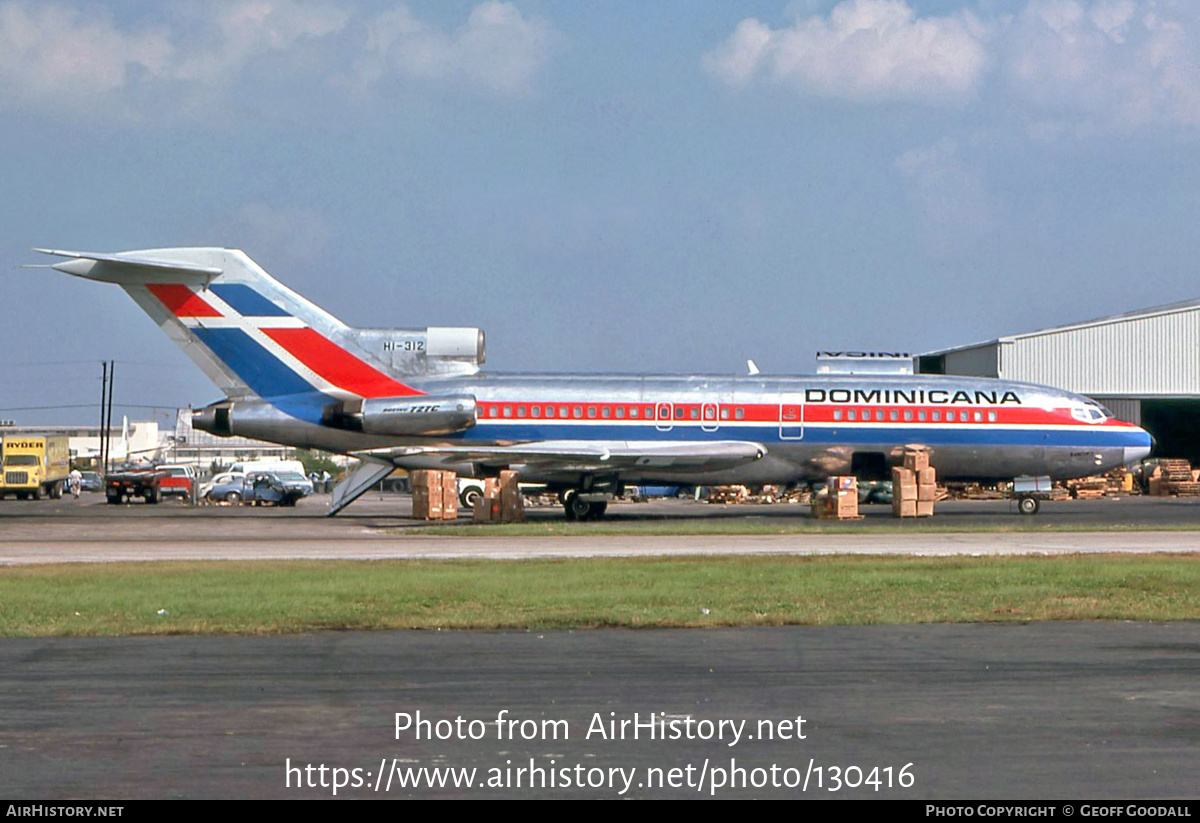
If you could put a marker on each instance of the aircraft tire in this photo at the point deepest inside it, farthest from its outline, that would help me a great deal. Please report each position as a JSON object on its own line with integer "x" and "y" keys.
{"x": 469, "y": 497}
{"x": 578, "y": 509}
{"x": 1028, "y": 505}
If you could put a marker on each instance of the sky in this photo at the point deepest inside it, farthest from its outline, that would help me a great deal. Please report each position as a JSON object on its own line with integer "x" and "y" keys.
{"x": 655, "y": 187}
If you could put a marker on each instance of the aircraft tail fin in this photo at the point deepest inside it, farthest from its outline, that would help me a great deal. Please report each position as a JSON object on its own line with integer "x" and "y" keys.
{"x": 253, "y": 336}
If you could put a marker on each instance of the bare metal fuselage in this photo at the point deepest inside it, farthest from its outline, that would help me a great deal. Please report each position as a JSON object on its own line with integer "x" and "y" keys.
{"x": 997, "y": 429}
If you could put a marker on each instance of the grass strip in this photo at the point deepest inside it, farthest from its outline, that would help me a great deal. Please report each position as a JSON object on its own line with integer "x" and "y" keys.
{"x": 298, "y": 596}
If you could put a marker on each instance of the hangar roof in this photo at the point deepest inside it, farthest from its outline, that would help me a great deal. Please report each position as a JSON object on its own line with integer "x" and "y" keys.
{"x": 1139, "y": 314}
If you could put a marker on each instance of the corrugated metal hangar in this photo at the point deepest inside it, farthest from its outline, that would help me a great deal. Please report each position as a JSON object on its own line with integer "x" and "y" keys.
{"x": 1144, "y": 366}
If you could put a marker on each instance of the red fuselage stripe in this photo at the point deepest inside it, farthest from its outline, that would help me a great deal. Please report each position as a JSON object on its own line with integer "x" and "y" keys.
{"x": 727, "y": 413}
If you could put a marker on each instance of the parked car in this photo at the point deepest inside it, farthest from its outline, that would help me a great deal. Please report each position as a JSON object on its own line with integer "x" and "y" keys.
{"x": 220, "y": 480}
{"x": 647, "y": 492}
{"x": 257, "y": 489}
{"x": 91, "y": 482}
{"x": 295, "y": 481}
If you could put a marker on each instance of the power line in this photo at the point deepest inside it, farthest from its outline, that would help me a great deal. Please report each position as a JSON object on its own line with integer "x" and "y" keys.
{"x": 93, "y": 406}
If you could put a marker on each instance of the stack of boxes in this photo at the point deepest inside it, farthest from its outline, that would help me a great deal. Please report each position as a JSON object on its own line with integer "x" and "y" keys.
{"x": 502, "y": 501}
{"x": 843, "y": 497}
{"x": 434, "y": 494}
{"x": 914, "y": 486}
{"x": 841, "y": 502}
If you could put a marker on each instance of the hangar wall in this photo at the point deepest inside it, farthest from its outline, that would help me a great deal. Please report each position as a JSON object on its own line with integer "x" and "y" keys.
{"x": 1155, "y": 355}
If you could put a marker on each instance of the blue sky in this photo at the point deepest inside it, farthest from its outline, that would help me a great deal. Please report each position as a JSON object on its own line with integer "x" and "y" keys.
{"x": 601, "y": 186}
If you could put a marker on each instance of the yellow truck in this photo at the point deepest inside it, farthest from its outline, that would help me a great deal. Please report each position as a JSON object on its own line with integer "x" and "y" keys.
{"x": 34, "y": 466}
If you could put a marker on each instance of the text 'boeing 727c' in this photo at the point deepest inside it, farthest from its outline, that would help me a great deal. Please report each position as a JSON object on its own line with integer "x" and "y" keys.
{"x": 294, "y": 374}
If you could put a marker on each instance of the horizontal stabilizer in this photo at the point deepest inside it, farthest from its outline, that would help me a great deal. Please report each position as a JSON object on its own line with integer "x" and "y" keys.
{"x": 130, "y": 267}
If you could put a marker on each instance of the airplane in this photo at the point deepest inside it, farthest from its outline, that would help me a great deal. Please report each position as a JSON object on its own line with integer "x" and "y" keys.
{"x": 416, "y": 399}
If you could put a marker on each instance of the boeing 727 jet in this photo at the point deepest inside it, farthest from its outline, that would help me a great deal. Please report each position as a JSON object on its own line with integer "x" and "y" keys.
{"x": 294, "y": 374}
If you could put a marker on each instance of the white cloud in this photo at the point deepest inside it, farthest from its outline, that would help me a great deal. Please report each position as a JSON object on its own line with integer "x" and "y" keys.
{"x": 1065, "y": 65}
{"x": 497, "y": 47}
{"x": 83, "y": 58}
{"x": 225, "y": 38}
{"x": 1107, "y": 64}
{"x": 865, "y": 50}
{"x": 55, "y": 53}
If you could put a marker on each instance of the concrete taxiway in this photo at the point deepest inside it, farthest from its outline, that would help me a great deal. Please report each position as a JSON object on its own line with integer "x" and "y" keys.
{"x": 378, "y": 528}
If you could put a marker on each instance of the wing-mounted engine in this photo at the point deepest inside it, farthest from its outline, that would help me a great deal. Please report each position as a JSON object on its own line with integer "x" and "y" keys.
{"x": 432, "y": 351}
{"x": 405, "y": 416}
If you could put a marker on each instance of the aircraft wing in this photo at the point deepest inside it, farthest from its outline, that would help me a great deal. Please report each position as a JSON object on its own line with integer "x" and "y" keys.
{"x": 592, "y": 455}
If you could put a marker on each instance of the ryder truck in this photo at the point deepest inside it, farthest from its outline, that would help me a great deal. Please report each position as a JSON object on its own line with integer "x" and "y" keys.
{"x": 34, "y": 466}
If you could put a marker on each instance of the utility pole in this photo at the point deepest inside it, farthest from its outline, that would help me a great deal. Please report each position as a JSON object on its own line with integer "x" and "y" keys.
{"x": 112, "y": 370}
{"x": 102, "y": 461}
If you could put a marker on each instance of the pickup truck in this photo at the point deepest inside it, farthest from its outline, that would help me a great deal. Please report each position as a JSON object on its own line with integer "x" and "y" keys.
{"x": 180, "y": 481}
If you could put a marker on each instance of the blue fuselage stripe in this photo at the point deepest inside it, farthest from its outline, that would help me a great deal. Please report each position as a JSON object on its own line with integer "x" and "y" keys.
{"x": 1106, "y": 437}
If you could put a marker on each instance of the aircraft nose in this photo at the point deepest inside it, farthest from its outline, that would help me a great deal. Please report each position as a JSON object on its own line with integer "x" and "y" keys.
{"x": 1137, "y": 453}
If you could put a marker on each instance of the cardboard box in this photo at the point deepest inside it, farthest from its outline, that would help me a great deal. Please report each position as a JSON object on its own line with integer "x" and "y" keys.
{"x": 487, "y": 510}
{"x": 904, "y": 508}
{"x": 924, "y": 508}
{"x": 845, "y": 504}
{"x": 927, "y": 477}
{"x": 420, "y": 502}
{"x": 512, "y": 505}
{"x": 916, "y": 460}
{"x": 434, "y": 494}
{"x": 927, "y": 493}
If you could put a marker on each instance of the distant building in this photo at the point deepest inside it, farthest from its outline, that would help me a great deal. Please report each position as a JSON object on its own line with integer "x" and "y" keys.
{"x": 205, "y": 450}
{"x": 135, "y": 440}
{"x": 1143, "y": 365}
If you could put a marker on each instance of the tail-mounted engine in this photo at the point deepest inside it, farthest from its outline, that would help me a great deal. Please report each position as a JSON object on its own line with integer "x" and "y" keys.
{"x": 405, "y": 416}
{"x": 436, "y": 350}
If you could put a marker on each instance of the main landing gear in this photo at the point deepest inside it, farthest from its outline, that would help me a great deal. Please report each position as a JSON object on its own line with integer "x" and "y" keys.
{"x": 584, "y": 506}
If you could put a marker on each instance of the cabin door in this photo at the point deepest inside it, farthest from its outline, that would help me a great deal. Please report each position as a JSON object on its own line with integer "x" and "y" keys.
{"x": 791, "y": 417}
{"x": 662, "y": 417}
